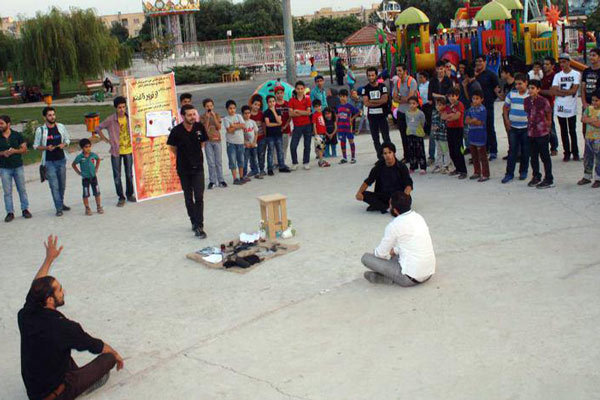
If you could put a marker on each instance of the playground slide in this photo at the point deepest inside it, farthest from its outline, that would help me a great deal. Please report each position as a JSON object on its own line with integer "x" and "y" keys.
{"x": 576, "y": 65}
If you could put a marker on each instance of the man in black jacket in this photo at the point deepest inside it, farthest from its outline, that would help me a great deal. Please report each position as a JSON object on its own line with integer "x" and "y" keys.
{"x": 47, "y": 338}
{"x": 389, "y": 176}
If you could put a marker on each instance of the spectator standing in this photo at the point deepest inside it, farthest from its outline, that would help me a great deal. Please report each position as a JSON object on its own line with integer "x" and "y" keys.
{"x": 286, "y": 127}
{"x": 375, "y": 98}
{"x": 539, "y": 116}
{"x": 590, "y": 82}
{"x": 565, "y": 86}
{"x": 515, "y": 122}
{"x": 300, "y": 108}
{"x": 405, "y": 88}
{"x": 273, "y": 124}
{"x": 591, "y": 153}
{"x": 536, "y": 72}
{"x": 256, "y": 114}
{"x": 250, "y": 145}
{"x": 86, "y": 165}
{"x": 475, "y": 118}
{"x": 12, "y": 148}
{"x": 212, "y": 148}
{"x": 455, "y": 122}
{"x": 548, "y": 66}
{"x": 319, "y": 92}
{"x": 489, "y": 84}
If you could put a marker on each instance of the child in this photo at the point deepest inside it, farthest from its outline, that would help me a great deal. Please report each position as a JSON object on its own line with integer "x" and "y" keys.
{"x": 331, "y": 137}
{"x": 351, "y": 78}
{"x": 250, "y": 145}
{"x": 346, "y": 113}
{"x": 88, "y": 168}
{"x": 273, "y": 122}
{"x": 415, "y": 132}
{"x": 591, "y": 117}
{"x": 427, "y": 108}
{"x": 286, "y": 129}
{"x": 234, "y": 125}
{"x": 320, "y": 132}
{"x": 539, "y": 116}
{"x": 476, "y": 117}
{"x": 515, "y": 123}
{"x": 438, "y": 134}
{"x": 357, "y": 102}
{"x": 454, "y": 117}
{"x": 536, "y": 72}
{"x": 212, "y": 124}
{"x": 256, "y": 114}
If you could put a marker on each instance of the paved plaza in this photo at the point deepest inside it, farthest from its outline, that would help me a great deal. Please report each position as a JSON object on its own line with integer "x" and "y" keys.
{"x": 512, "y": 312}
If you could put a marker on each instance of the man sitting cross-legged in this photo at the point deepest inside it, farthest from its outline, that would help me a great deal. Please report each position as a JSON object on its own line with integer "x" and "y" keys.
{"x": 47, "y": 338}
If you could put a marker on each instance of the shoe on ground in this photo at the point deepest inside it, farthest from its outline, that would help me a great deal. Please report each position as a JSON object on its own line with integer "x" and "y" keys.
{"x": 237, "y": 182}
{"x": 294, "y": 167}
{"x": 474, "y": 176}
{"x": 493, "y": 157}
{"x": 584, "y": 181}
{"x": 59, "y": 213}
{"x": 223, "y": 184}
{"x": 131, "y": 199}
{"x": 88, "y": 211}
{"x": 263, "y": 173}
{"x": 505, "y": 157}
{"x": 523, "y": 176}
{"x": 66, "y": 208}
{"x": 470, "y": 161}
{"x": 270, "y": 173}
{"x": 211, "y": 186}
{"x": 353, "y": 161}
{"x": 377, "y": 278}
{"x": 98, "y": 384}
{"x": 596, "y": 185}
{"x": 554, "y": 153}
{"x": 534, "y": 182}
{"x": 444, "y": 171}
{"x": 200, "y": 234}
{"x": 100, "y": 210}
{"x": 436, "y": 170}
{"x": 576, "y": 158}
{"x": 483, "y": 179}
{"x": 453, "y": 172}
{"x": 246, "y": 179}
{"x": 462, "y": 176}
{"x": 259, "y": 176}
{"x": 121, "y": 203}
{"x": 343, "y": 161}
{"x": 306, "y": 167}
{"x": 285, "y": 170}
{"x": 422, "y": 172}
{"x": 194, "y": 227}
{"x": 545, "y": 185}
{"x": 507, "y": 178}
{"x": 566, "y": 158}
{"x": 9, "y": 217}
{"x": 27, "y": 214}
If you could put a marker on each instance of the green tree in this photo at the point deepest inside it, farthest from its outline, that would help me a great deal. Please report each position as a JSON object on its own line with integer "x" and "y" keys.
{"x": 326, "y": 29}
{"x": 119, "y": 31}
{"x": 8, "y": 53}
{"x": 157, "y": 51}
{"x": 593, "y": 21}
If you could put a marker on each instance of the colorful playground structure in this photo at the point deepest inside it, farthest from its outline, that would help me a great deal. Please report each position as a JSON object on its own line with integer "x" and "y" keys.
{"x": 496, "y": 30}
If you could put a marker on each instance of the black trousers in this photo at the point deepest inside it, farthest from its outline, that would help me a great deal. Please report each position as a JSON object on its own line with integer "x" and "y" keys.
{"x": 416, "y": 152}
{"x": 568, "y": 128}
{"x": 377, "y": 200}
{"x": 401, "y": 122}
{"x": 539, "y": 148}
{"x": 378, "y": 123}
{"x": 193, "y": 193}
{"x": 455, "y": 139}
{"x": 78, "y": 380}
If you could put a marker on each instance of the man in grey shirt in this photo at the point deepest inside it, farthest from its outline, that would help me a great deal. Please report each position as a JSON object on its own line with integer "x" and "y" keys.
{"x": 406, "y": 87}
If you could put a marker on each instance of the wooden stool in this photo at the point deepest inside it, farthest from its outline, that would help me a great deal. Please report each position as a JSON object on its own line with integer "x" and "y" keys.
{"x": 273, "y": 210}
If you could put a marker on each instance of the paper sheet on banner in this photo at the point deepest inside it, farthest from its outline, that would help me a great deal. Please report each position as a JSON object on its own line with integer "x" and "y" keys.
{"x": 158, "y": 123}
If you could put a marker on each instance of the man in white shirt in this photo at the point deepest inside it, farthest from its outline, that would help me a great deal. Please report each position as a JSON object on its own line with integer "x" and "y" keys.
{"x": 565, "y": 87}
{"x": 405, "y": 255}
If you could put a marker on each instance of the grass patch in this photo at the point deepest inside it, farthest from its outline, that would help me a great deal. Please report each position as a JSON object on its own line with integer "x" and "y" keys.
{"x": 35, "y": 156}
{"x": 68, "y": 115}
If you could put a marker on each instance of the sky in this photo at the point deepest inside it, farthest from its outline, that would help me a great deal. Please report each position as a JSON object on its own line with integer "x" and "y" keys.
{"x": 30, "y": 7}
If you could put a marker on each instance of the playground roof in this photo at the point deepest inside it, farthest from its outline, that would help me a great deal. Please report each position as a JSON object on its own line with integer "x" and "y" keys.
{"x": 511, "y": 4}
{"x": 411, "y": 16}
{"x": 365, "y": 35}
{"x": 493, "y": 11}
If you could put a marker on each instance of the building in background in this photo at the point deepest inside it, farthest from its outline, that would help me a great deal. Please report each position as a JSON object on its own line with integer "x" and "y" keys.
{"x": 362, "y": 13}
{"x": 133, "y": 21}
{"x": 10, "y": 26}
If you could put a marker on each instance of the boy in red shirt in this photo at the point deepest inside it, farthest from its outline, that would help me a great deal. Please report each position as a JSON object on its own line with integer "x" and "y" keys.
{"x": 300, "y": 112}
{"x": 454, "y": 117}
{"x": 283, "y": 107}
{"x": 256, "y": 114}
{"x": 320, "y": 132}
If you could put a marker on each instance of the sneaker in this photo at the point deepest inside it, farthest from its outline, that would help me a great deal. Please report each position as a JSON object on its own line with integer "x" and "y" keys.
{"x": 211, "y": 186}
{"x": 246, "y": 179}
{"x": 554, "y": 153}
{"x": 353, "y": 161}
{"x": 237, "y": 182}
{"x": 453, "y": 172}
{"x": 285, "y": 170}
{"x": 343, "y": 161}
{"x": 294, "y": 167}
{"x": 131, "y": 199}
{"x": 596, "y": 185}
{"x": 523, "y": 176}
{"x": 27, "y": 214}
{"x": 575, "y": 158}
{"x": 534, "y": 182}
{"x": 199, "y": 232}
{"x": 462, "y": 176}
{"x": 507, "y": 178}
{"x": 66, "y": 208}
{"x": 223, "y": 184}
{"x": 121, "y": 203}
{"x": 584, "y": 181}
{"x": 263, "y": 174}
{"x": 422, "y": 172}
{"x": 436, "y": 170}
{"x": 259, "y": 176}
{"x": 59, "y": 213}
{"x": 444, "y": 171}
{"x": 505, "y": 157}
{"x": 483, "y": 179}
{"x": 9, "y": 217}
{"x": 377, "y": 278}
{"x": 100, "y": 210}
{"x": 88, "y": 211}
{"x": 545, "y": 185}
{"x": 566, "y": 158}
{"x": 306, "y": 167}
{"x": 493, "y": 157}
{"x": 474, "y": 176}
{"x": 270, "y": 173}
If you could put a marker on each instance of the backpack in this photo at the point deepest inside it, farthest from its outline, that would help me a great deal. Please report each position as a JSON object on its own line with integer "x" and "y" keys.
{"x": 408, "y": 83}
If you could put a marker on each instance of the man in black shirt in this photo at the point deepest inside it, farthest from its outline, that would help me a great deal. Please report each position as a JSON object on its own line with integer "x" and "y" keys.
{"x": 390, "y": 176}
{"x": 489, "y": 83}
{"x": 375, "y": 98}
{"x": 186, "y": 141}
{"x": 47, "y": 338}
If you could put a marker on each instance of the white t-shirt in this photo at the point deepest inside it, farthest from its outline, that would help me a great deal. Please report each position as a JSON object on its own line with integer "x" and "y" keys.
{"x": 250, "y": 131}
{"x": 532, "y": 75}
{"x": 566, "y": 106}
{"x": 408, "y": 235}
{"x": 237, "y": 136}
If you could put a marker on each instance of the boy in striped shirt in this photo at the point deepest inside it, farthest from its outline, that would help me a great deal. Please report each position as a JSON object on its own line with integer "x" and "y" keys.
{"x": 346, "y": 113}
{"x": 515, "y": 122}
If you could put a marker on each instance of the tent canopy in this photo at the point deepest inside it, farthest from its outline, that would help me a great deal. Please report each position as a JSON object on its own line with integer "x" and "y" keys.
{"x": 411, "y": 16}
{"x": 493, "y": 11}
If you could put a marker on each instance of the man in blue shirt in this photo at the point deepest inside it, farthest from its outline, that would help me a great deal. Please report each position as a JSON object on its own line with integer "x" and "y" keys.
{"x": 319, "y": 92}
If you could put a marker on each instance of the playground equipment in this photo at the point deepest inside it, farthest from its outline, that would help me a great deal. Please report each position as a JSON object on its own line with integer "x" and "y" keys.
{"x": 167, "y": 18}
{"x": 413, "y": 39}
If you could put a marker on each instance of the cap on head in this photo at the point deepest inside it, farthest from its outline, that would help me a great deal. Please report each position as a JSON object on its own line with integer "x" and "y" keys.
{"x": 565, "y": 56}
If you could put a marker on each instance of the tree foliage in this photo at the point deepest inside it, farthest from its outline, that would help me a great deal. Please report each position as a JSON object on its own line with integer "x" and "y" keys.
{"x": 119, "y": 31}
{"x": 326, "y": 29}
{"x": 157, "y": 51}
{"x": 8, "y": 52}
{"x": 593, "y": 20}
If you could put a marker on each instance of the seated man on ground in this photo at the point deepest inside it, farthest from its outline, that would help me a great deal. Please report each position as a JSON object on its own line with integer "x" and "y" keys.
{"x": 47, "y": 338}
{"x": 405, "y": 255}
{"x": 390, "y": 175}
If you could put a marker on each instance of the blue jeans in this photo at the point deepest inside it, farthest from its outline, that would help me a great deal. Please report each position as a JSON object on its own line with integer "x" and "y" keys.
{"x": 127, "y": 161}
{"x": 275, "y": 145}
{"x": 305, "y": 132}
{"x": 57, "y": 179}
{"x": 518, "y": 142}
{"x": 7, "y": 175}
{"x": 251, "y": 157}
{"x": 431, "y": 148}
{"x": 262, "y": 151}
{"x": 235, "y": 153}
{"x": 591, "y": 154}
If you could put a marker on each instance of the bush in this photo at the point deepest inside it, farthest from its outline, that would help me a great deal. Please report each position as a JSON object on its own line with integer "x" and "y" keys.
{"x": 29, "y": 132}
{"x": 205, "y": 73}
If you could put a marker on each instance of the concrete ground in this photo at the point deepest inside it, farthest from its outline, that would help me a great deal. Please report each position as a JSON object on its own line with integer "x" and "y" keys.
{"x": 512, "y": 312}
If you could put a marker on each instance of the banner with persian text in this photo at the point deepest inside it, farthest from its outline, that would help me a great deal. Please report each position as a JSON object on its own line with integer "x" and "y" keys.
{"x": 152, "y": 105}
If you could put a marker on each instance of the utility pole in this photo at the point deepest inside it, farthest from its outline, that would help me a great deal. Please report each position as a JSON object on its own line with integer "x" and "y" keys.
{"x": 290, "y": 53}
